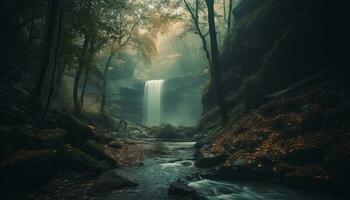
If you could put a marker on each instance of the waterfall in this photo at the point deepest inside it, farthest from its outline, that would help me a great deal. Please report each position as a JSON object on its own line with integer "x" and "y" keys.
{"x": 152, "y": 101}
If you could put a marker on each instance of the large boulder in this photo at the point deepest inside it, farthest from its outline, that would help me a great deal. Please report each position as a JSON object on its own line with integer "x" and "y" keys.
{"x": 96, "y": 151}
{"x": 109, "y": 182}
{"x": 181, "y": 190}
{"x": 305, "y": 156}
{"x": 115, "y": 144}
{"x": 18, "y": 138}
{"x": 242, "y": 170}
{"x": 27, "y": 169}
{"x": 205, "y": 160}
{"x": 53, "y": 138}
{"x": 74, "y": 159}
{"x": 341, "y": 170}
{"x": 308, "y": 181}
{"x": 79, "y": 132}
{"x": 167, "y": 132}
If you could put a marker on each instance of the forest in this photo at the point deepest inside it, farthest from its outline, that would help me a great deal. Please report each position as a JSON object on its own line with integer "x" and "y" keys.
{"x": 174, "y": 99}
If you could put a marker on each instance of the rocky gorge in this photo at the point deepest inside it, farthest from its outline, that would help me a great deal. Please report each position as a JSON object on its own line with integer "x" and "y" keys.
{"x": 284, "y": 83}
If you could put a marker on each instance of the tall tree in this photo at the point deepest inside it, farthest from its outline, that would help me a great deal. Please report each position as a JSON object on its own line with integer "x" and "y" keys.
{"x": 82, "y": 60}
{"x": 104, "y": 86}
{"x": 215, "y": 65}
{"x": 125, "y": 30}
{"x": 196, "y": 22}
{"x": 229, "y": 17}
{"x": 90, "y": 48}
{"x": 44, "y": 66}
{"x": 58, "y": 41}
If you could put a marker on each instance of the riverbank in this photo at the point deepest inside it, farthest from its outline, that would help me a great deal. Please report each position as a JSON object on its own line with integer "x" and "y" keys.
{"x": 299, "y": 140}
{"x": 156, "y": 174}
{"x": 86, "y": 185}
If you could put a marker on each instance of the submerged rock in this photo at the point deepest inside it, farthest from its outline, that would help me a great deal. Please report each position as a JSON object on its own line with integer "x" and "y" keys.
{"x": 186, "y": 163}
{"x": 180, "y": 190}
{"x": 109, "y": 182}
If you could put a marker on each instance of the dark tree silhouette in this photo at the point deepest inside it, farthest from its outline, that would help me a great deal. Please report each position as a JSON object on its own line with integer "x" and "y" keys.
{"x": 215, "y": 65}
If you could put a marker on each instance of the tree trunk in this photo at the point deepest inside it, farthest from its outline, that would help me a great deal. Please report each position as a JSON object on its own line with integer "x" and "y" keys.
{"x": 92, "y": 50}
{"x": 53, "y": 75}
{"x": 229, "y": 16}
{"x": 195, "y": 19}
{"x": 215, "y": 65}
{"x": 224, "y": 5}
{"x": 87, "y": 72}
{"x": 59, "y": 79}
{"x": 104, "y": 89}
{"x": 51, "y": 24}
{"x": 32, "y": 24}
{"x": 78, "y": 75}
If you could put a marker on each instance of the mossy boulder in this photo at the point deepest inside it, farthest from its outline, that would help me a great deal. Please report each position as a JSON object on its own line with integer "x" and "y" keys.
{"x": 27, "y": 169}
{"x": 53, "y": 138}
{"x": 180, "y": 190}
{"x": 307, "y": 181}
{"x": 115, "y": 144}
{"x": 204, "y": 160}
{"x": 74, "y": 159}
{"x": 109, "y": 182}
{"x": 96, "y": 151}
{"x": 18, "y": 138}
{"x": 102, "y": 138}
{"x": 79, "y": 132}
{"x": 167, "y": 132}
{"x": 244, "y": 170}
{"x": 306, "y": 156}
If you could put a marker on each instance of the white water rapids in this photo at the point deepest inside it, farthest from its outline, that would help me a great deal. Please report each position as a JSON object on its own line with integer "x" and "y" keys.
{"x": 152, "y": 101}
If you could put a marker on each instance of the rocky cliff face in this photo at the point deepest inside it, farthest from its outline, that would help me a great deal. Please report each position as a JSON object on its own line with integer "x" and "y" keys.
{"x": 288, "y": 95}
{"x": 274, "y": 44}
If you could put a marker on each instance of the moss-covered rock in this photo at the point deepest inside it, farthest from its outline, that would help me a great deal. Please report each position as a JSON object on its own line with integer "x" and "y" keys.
{"x": 180, "y": 190}
{"x": 307, "y": 181}
{"x": 53, "y": 138}
{"x": 74, "y": 159}
{"x": 96, "y": 151}
{"x": 109, "y": 182}
{"x": 115, "y": 144}
{"x": 79, "y": 132}
{"x": 306, "y": 156}
{"x": 168, "y": 131}
{"x": 242, "y": 170}
{"x": 204, "y": 160}
{"x": 17, "y": 138}
{"x": 27, "y": 169}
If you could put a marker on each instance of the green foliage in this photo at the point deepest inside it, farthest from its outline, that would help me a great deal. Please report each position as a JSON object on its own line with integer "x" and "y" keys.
{"x": 125, "y": 27}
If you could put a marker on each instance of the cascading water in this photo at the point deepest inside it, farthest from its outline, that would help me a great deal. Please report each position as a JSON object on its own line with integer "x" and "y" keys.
{"x": 152, "y": 101}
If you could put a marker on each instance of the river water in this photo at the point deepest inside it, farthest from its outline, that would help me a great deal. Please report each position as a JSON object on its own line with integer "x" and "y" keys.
{"x": 156, "y": 174}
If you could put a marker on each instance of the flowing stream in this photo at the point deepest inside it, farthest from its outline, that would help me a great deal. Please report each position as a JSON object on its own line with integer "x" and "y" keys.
{"x": 156, "y": 174}
{"x": 152, "y": 101}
